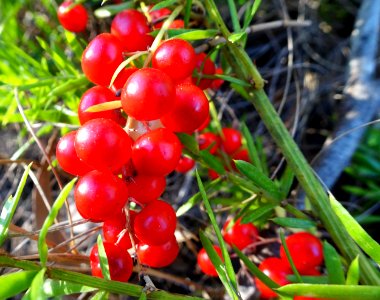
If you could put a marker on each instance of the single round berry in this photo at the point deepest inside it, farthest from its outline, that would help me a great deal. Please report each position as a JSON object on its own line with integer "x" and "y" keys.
{"x": 305, "y": 249}
{"x": 240, "y": 235}
{"x": 148, "y": 94}
{"x": 115, "y": 230}
{"x": 144, "y": 189}
{"x": 97, "y": 95}
{"x": 157, "y": 152}
{"x": 208, "y": 140}
{"x": 176, "y": 58}
{"x": 68, "y": 158}
{"x": 190, "y": 109}
{"x": 205, "y": 263}
{"x": 185, "y": 164}
{"x": 119, "y": 261}
{"x": 103, "y": 144}
{"x": 277, "y": 270}
{"x": 131, "y": 27}
{"x": 158, "y": 256}
{"x": 231, "y": 140}
{"x": 155, "y": 223}
{"x": 204, "y": 66}
{"x": 101, "y": 58}
{"x": 73, "y": 17}
{"x": 99, "y": 195}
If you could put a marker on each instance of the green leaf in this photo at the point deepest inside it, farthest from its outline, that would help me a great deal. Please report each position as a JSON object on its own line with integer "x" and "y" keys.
{"x": 10, "y": 205}
{"x": 212, "y": 162}
{"x": 54, "y": 288}
{"x": 286, "y": 181}
{"x": 309, "y": 279}
{"x": 294, "y": 223}
{"x": 346, "y": 292}
{"x": 258, "y": 213}
{"x": 353, "y": 273}
{"x": 42, "y": 246}
{"x": 14, "y": 283}
{"x": 289, "y": 257}
{"x": 242, "y": 183}
{"x": 163, "y": 4}
{"x": 250, "y": 13}
{"x": 358, "y": 234}
{"x": 101, "y": 295}
{"x": 103, "y": 259}
{"x": 236, "y": 37}
{"x": 333, "y": 264}
{"x": 110, "y": 10}
{"x": 234, "y": 15}
{"x": 187, "y": 14}
{"x": 189, "y": 34}
{"x": 252, "y": 151}
{"x": 35, "y": 292}
{"x": 231, "y": 79}
{"x": 189, "y": 142}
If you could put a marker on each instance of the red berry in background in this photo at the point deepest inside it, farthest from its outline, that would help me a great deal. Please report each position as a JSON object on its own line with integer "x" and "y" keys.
{"x": 241, "y": 155}
{"x": 185, "y": 164}
{"x": 204, "y": 66}
{"x": 208, "y": 140}
{"x": 217, "y": 83}
{"x": 231, "y": 140}
{"x": 103, "y": 144}
{"x": 157, "y": 152}
{"x": 97, "y": 95}
{"x": 240, "y": 235}
{"x": 158, "y": 13}
{"x": 155, "y": 223}
{"x": 205, "y": 124}
{"x": 190, "y": 109}
{"x": 144, "y": 189}
{"x": 119, "y": 261}
{"x": 68, "y": 158}
{"x": 158, "y": 256}
{"x": 212, "y": 174}
{"x": 205, "y": 263}
{"x": 101, "y": 58}
{"x": 176, "y": 24}
{"x": 131, "y": 27}
{"x": 276, "y": 270}
{"x": 72, "y": 17}
{"x": 99, "y": 195}
{"x": 112, "y": 229}
{"x": 122, "y": 78}
{"x": 176, "y": 58}
{"x": 305, "y": 249}
{"x": 148, "y": 94}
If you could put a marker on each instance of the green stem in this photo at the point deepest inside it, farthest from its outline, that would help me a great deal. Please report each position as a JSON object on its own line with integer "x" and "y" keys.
{"x": 102, "y": 284}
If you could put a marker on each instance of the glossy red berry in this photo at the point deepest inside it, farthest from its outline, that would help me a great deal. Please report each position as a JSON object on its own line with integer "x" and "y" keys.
{"x": 305, "y": 249}
{"x": 132, "y": 29}
{"x": 73, "y": 17}
{"x": 99, "y": 195}
{"x": 158, "y": 256}
{"x": 122, "y": 78}
{"x": 103, "y": 144}
{"x": 155, "y": 223}
{"x": 176, "y": 58}
{"x": 176, "y": 24}
{"x": 159, "y": 13}
{"x": 101, "y": 58}
{"x": 68, "y": 158}
{"x": 240, "y": 235}
{"x": 204, "y": 66}
{"x": 190, "y": 109}
{"x": 217, "y": 83}
{"x": 144, "y": 188}
{"x": 148, "y": 94}
{"x": 276, "y": 270}
{"x": 231, "y": 140}
{"x": 157, "y": 152}
{"x": 205, "y": 263}
{"x": 97, "y": 95}
{"x": 113, "y": 229}
{"x": 119, "y": 261}
{"x": 210, "y": 141}
{"x": 185, "y": 164}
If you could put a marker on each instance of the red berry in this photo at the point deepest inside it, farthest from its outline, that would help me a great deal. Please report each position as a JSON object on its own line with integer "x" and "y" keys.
{"x": 176, "y": 24}
{"x": 208, "y": 140}
{"x": 119, "y": 261}
{"x": 190, "y": 109}
{"x": 205, "y": 263}
{"x": 99, "y": 195}
{"x": 157, "y": 152}
{"x": 240, "y": 235}
{"x": 276, "y": 270}
{"x": 213, "y": 174}
{"x": 205, "y": 124}
{"x": 144, "y": 189}
{"x": 73, "y": 19}
{"x": 231, "y": 140}
{"x": 131, "y": 27}
{"x": 204, "y": 66}
{"x": 305, "y": 249}
{"x": 158, "y": 256}
{"x": 112, "y": 229}
{"x": 68, "y": 158}
{"x": 185, "y": 164}
{"x": 148, "y": 94}
{"x": 97, "y": 95}
{"x": 242, "y": 155}
{"x": 103, "y": 144}
{"x": 217, "y": 83}
{"x": 122, "y": 78}
{"x": 155, "y": 223}
{"x": 159, "y": 13}
{"x": 101, "y": 58}
{"x": 176, "y": 58}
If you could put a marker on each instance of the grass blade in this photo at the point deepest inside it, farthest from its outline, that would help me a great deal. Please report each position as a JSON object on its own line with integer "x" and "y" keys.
{"x": 35, "y": 292}
{"x": 15, "y": 283}
{"x": 258, "y": 213}
{"x": 333, "y": 264}
{"x": 353, "y": 273}
{"x": 103, "y": 259}
{"x": 54, "y": 288}
{"x": 234, "y": 15}
{"x": 289, "y": 257}
{"x": 187, "y": 14}
{"x": 294, "y": 223}
{"x": 252, "y": 151}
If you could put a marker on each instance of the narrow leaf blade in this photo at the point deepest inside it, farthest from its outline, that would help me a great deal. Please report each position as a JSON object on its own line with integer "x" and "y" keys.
{"x": 333, "y": 264}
